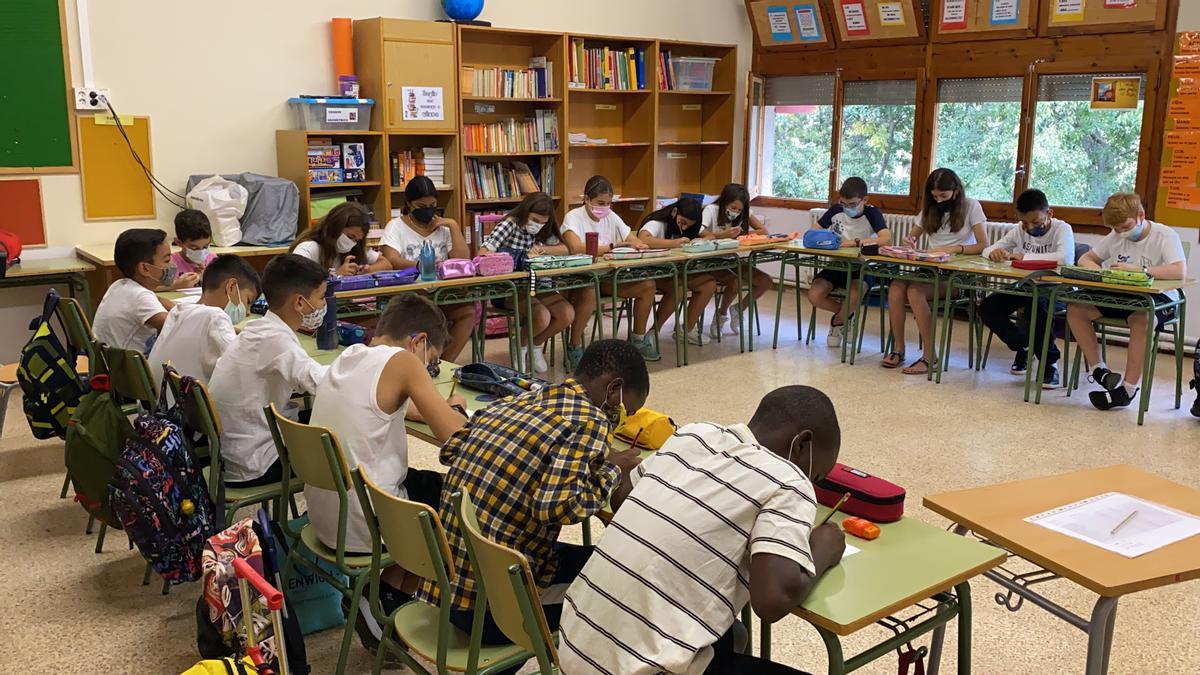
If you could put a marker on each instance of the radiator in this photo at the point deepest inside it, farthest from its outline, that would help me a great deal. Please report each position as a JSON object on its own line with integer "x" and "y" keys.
{"x": 901, "y": 225}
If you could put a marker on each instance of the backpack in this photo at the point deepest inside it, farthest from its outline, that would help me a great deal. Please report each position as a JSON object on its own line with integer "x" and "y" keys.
{"x": 49, "y": 383}
{"x": 159, "y": 494}
{"x": 1195, "y": 383}
{"x": 96, "y": 434}
{"x": 10, "y": 244}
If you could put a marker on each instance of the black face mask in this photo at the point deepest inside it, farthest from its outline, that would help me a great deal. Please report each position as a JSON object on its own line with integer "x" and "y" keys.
{"x": 424, "y": 215}
{"x": 946, "y": 206}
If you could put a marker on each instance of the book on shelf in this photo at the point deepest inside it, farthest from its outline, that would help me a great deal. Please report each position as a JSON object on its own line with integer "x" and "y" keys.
{"x": 536, "y": 81}
{"x": 538, "y": 133}
{"x": 602, "y": 67}
{"x": 666, "y": 71}
{"x": 484, "y": 180}
{"x": 408, "y": 164}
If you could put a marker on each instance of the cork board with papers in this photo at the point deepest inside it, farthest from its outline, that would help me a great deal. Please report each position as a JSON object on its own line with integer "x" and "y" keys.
{"x": 1061, "y": 17}
{"x": 878, "y": 22}
{"x": 800, "y": 23}
{"x": 955, "y": 20}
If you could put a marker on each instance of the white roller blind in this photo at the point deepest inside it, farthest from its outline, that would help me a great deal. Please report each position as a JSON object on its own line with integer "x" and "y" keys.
{"x": 1077, "y": 87}
{"x": 800, "y": 90}
{"x": 881, "y": 92}
{"x": 981, "y": 90}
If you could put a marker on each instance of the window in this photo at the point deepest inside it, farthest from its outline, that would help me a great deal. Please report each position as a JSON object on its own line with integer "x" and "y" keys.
{"x": 1082, "y": 155}
{"x": 797, "y": 137}
{"x": 878, "y": 119}
{"x": 978, "y": 125}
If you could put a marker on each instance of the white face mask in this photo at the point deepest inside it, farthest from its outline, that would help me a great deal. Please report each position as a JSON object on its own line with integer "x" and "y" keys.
{"x": 315, "y": 318}
{"x": 345, "y": 244}
{"x": 733, "y": 215}
{"x": 197, "y": 256}
{"x": 533, "y": 228}
{"x": 792, "y": 450}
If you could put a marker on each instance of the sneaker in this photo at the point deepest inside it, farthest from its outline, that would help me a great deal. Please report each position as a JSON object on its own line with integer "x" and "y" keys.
{"x": 735, "y": 318}
{"x": 1106, "y": 378}
{"x": 1116, "y": 398}
{"x": 1020, "y": 363}
{"x": 834, "y": 339}
{"x": 646, "y": 347}
{"x": 696, "y": 337}
{"x": 1051, "y": 380}
{"x": 539, "y": 360}
{"x": 718, "y": 325}
{"x": 519, "y": 359}
{"x": 574, "y": 353}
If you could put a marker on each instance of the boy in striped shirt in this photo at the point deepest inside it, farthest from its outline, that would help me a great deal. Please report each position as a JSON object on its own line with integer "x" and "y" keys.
{"x": 720, "y": 516}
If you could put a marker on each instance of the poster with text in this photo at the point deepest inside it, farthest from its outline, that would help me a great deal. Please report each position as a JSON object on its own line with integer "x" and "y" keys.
{"x": 1004, "y": 12}
{"x": 423, "y": 104}
{"x": 891, "y": 14}
{"x": 807, "y": 23}
{"x": 954, "y": 15}
{"x": 781, "y": 27}
{"x": 855, "y": 16}
{"x": 1120, "y": 4}
{"x": 1115, "y": 93}
{"x": 1067, "y": 11}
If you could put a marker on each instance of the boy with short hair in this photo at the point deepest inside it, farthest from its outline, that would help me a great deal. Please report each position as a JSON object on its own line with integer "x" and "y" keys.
{"x": 130, "y": 314}
{"x": 718, "y": 517}
{"x": 266, "y": 365}
{"x": 1139, "y": 245}
{"x": 193, "y": 234}
{"x": 859, "y": 224}
{"x": 196, "y": 334}
{"x": 1038, "y": 236}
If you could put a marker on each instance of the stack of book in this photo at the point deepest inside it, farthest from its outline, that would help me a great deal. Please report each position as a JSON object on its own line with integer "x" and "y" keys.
{"x": 666, "y": 71}
{"x": 489, "y": 181}
{"x": 593, "y": 67}
{"x": 435, "y": 165}
{"x": 536, "y": 81}
{"x": 533, "y": 134}
{"x": 407, "y": 164}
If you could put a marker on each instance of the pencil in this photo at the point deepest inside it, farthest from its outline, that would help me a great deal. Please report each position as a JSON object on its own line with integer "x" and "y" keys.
{"x": 453, "y": 386}
{"x": 835, "y": 509}
{"x": 636, "y": 437}
{"x": 1123, "y": 523}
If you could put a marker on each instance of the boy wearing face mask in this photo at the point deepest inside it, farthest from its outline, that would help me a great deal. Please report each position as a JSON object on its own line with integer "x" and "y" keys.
{"x": 718, "y": 517}
{"x": 339, "y": 242}
{"x": 1137, "y": 245}
{"x": 859, "y": 224}
{"x": 266, "y": 365}
{"x": 419, "y": 225}
{"x": 1038, "y": 236}
{"x": 534, "y": 463}
{"x": 193, "y": 234}
{"x": 196, "y": 334}
{"x": 130, "y": 314}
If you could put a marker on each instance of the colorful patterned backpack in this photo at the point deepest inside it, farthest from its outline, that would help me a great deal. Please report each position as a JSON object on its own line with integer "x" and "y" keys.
{"x": 159, "y": 494}
{"x": 50, "y": 386}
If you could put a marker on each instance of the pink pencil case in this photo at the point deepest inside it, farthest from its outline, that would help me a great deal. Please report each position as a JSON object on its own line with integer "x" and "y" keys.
{"x": 455, "y": 268}
{"x": 493, "y": 264}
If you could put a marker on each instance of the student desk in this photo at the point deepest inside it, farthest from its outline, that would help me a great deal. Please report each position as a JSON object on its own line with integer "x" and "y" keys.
{"x": 101, "y": 255}
{"x": 997, "y": 514}
{"x": 50, "y": 271}
{"x": 704, "y": 263}
{"x": 642, "y": 269}
{"x": 846, "y": 260}
{"x": 1134, "y": 298}
{"x": 976, "y": 273}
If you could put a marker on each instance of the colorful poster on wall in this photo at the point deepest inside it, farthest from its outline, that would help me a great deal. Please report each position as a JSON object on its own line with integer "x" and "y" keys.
{"x": 891, "y": 14}
{"x": 855, "y": 16}
{"x": 1115, "y": 93}
{"x": 423, "y": 104}
{"x": 1004, "y": 12}
{"x": 781, "y": 27}
{"x": 954, "y": 15}
{"x": 1120, "y": 4}
{"x": 807, "y": 23}
{"x": 1067, "y": 11}
{"x": 1178, "y": 201}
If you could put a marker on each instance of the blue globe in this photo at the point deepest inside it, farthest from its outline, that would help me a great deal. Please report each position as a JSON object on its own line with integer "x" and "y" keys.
{"x": 462, "y": 10}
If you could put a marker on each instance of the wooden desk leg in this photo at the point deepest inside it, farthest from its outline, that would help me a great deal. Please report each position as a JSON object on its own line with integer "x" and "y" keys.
{"x": 833, "y": 648}
{"x": 1100, "y": 632}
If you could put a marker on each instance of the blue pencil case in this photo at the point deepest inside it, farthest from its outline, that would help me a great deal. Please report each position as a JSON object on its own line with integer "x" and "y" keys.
{"x": 396, "y": 277}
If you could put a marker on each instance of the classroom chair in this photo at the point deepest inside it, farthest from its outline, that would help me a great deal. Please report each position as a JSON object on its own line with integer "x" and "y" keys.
{"x": 317, "y": 459}
{"x": 413, "y": 535}
{"x": 505, "y": 584}
{"x": 82, "y": 341}
{"x": 200, "y": 417}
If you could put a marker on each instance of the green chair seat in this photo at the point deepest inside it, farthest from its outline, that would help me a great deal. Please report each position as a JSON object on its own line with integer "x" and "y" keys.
{"x": 249, "y": 495}
{"x": 417, "y": 628}
{"x": 308, "y": 536}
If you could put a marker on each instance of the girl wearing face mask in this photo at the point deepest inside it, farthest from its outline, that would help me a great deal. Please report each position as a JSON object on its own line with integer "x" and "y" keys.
{"x": 339, "y": 242}
{"x": 532, "y": 229}
{"x": 420, "y": 224}
{"x": 728, "y": 218}
{"x": 671, "y": 227}
{"x": 597, "y": 217}
{"x": 955, "y": 224}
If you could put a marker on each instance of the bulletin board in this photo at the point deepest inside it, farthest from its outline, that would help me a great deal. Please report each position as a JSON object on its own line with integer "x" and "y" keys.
{"x": 878, "y": 22}
{"x": 36, "y": 130}
{"x": 1094, "y": 16}
{"x": 22, "y": 213}
{"x": 954, "y": 20}
{"x": 1178, "y": 202}
{"x": 114, "y": 185}
{"x": 799, "y": 23}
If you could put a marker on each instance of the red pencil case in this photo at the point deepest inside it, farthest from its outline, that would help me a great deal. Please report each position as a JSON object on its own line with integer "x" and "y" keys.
{"x": 1035, "y": 264}
{"x": 871, "y": 497}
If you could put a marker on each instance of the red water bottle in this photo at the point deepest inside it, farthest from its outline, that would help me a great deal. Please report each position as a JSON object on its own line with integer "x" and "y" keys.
{"x": 592, "y": 244}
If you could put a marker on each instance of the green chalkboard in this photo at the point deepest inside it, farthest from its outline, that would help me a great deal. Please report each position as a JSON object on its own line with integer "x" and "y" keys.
{"x": 35, "y": 123}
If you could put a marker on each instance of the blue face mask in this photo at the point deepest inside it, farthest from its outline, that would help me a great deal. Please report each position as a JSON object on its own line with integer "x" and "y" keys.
{"x": 1039, "y": 231}
{"x": 852, "y": 212}
{"x": 1136, "y": 232}
{"x": 236, "y": 310}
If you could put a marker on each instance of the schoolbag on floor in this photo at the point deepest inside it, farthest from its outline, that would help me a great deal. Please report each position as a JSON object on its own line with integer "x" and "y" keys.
{"x": 159, "y": 494}
{"x": 96, "y": 436}
{"x": 49, "y": 384}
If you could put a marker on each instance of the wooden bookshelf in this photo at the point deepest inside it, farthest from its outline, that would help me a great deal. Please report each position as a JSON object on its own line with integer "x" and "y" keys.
{"x": 291, "y": 161}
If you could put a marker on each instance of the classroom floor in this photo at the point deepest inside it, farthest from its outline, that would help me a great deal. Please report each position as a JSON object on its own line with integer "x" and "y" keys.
{"x": 69, "y": 610}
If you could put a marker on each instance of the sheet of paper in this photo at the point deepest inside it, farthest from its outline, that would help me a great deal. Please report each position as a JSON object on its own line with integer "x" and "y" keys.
{"x": 1141, "y": 526}
{"x": 192, "y": 291}
{"x": 851, "y": 549}
{"x": 781, "y": 27}
{"x": 188, "y": 300}
{"x": 1004, "y": 12}
{"x": 806, "y": 20}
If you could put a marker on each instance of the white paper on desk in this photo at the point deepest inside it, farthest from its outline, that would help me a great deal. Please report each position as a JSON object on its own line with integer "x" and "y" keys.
{"x": 1041, "y": 256}
{"x": 851, "y": 549}
{"x": 196, "y": 291}
{"x": 188, "y": 300}
{"x": 1093, "y": 520}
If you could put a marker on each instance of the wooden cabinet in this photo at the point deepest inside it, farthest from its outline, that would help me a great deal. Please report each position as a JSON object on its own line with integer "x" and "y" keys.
{"x": 419, "y": 64}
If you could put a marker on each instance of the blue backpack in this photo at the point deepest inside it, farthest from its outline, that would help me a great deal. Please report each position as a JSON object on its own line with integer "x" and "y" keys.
{"x": 159, "y": 494}
{"x": 822, "y": 239}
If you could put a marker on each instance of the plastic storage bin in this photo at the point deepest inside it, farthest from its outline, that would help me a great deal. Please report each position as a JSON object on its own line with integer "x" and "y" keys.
{"x": 693, "y": 73}
{"x": 331, "y": 114}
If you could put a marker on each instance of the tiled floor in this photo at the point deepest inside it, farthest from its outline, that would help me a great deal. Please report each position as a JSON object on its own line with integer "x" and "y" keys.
{"x": 68, "y": 610}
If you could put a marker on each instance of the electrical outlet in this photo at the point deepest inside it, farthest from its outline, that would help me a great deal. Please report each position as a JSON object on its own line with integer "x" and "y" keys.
{"x": 90, "y": 98}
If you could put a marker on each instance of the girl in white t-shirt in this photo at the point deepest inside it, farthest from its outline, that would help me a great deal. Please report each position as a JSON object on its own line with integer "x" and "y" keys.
{"x": 532, "y": 229}
{"x": 954, "y": 224}
{"x": 596, "y": 215}
{"x": 420, "y": 224}
{"x": 339, "y": 242}
{"x": 727, "y": 218}
{"x": 671, "y": 227}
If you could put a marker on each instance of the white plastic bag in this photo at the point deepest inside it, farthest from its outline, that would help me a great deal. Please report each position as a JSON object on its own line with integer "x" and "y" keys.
{"x": 224, "y": 202}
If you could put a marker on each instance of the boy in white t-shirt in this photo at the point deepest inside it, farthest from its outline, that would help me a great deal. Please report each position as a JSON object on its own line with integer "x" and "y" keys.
{"x": 1037, "y": 236}
{"x": 1139, "y": 245}
{"x": 130, "y": 314}
{"x": 196, "y": 334}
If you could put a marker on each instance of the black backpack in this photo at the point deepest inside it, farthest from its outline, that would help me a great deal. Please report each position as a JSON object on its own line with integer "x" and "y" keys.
{"x": 1195, "y": 384}
{"x": 49, "y": 383}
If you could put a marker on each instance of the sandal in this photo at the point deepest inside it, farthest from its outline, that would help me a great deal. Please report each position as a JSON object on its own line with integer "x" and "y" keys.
{"x": 893, "y": 360}
{"x": 925, "y": 367}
